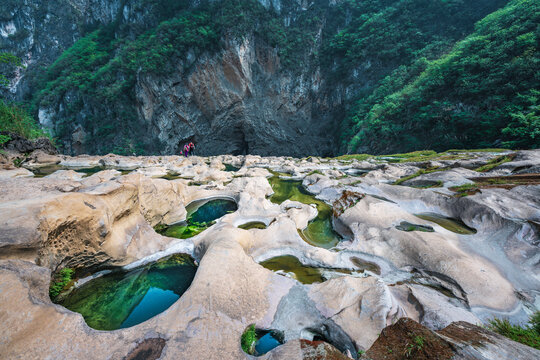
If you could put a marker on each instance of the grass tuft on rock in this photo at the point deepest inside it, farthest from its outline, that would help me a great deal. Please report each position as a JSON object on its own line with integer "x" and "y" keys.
{"x": 528, "y": 334}
{"x": 493, "y": 163}
{"x": 60, "y": 281}
{"x": 465, "y": 189}
{"x": 248, "y": 339}
{"x": 416, "y": 174}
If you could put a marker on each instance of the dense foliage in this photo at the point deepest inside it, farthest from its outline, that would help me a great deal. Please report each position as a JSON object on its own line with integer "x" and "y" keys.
{"x": 248, "y": 339}
{"x": 95, "y": 78}
{"x": 15, "y": 119}
{"x": 7, "y": 59}
{"x": 482, "y": 92}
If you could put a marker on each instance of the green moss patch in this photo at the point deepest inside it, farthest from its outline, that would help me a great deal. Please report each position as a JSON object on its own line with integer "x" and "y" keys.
{"x": 493, "y": 163}
{"x": 60, "y": 281}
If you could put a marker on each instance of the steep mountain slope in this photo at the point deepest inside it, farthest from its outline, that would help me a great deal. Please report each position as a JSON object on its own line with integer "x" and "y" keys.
{"x": 483, "y": 91}
{"x": 245, "y": 76}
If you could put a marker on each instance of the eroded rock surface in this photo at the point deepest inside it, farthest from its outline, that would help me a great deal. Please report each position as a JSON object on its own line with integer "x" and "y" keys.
{"x": 99, "y": 212}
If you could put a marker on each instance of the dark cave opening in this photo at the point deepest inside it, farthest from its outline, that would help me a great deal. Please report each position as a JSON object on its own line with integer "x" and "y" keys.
{"x": 240, "y": 144}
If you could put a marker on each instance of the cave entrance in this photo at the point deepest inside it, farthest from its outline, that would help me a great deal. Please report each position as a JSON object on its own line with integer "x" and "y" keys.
{"x": 181, "y": 143}
{"x": 239, "y": 143}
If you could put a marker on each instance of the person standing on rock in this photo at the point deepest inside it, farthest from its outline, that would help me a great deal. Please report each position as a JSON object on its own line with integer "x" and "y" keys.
{"x": 186, "y": 150}
{"x": 191, "y": 148}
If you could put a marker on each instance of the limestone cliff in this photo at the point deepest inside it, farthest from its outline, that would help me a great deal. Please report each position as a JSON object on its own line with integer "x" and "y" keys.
{"x": 238, "y": 102}
{"x": 235, "y": 100}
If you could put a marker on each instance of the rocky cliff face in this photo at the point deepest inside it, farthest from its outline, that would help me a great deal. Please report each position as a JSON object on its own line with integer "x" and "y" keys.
{"x": 38, "y": 31}
{"x": 237, "y": 100}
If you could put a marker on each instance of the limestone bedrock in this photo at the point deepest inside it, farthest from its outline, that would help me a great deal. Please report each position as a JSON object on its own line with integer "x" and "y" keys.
{"x": 105, "y": 219}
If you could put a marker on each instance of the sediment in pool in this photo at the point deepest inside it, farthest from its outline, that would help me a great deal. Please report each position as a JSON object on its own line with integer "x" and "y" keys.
{"x": 407, "y": 226}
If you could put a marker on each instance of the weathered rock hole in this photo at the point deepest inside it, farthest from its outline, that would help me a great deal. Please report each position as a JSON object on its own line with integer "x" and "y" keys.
{"x": 123, "y": 299}
{"x": 201, "y": 214}
{"x": 257, "y": 342}
{"x": 332, "y": 335}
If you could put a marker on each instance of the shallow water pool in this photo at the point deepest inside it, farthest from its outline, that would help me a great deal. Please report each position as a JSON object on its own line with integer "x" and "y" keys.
{"x": 127, "y": 298}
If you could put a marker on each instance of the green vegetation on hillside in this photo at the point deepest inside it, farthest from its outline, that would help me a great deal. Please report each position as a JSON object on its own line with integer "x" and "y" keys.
{"x": 421, "y": 74}
{"x": 481, "y": 92}
{"x": 15, "y": 119}
{"x": 7, "y": 59}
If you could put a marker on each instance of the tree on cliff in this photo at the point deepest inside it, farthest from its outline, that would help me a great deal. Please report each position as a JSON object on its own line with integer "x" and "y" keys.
{"x": 15, "y": 119}
{"x": 9, "y": 60}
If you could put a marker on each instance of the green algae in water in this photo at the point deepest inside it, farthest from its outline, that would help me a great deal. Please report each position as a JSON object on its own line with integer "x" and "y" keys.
{"x": 183, "y": 230}
{"x": 319, "y": 231}
{"x": 454, "y": 225}
{"x": 171, "y": 176}
{"x": 124, "y": 299}
{"x": 290, "y": 264}
{"x": 206, "y": 211}
{"x": 200, "y": 216}
{"x": 253, "y": 225}
{"x": 89, "y": 171}
{"x": 407, "y": 226}
{"x": 231, "y": 168}
{"x": 49, "y": 169}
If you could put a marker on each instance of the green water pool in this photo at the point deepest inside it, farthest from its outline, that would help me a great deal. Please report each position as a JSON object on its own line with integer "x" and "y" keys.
{"x": 49, "y": 169}
{"x": 127, "y": 298}
{"x": 319, "y": 231}
{"x": 288, "y": 265}
{"x": 200, "y": 215}
{"x": 455, "y": 225}
{"x": 253, "y": 225}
